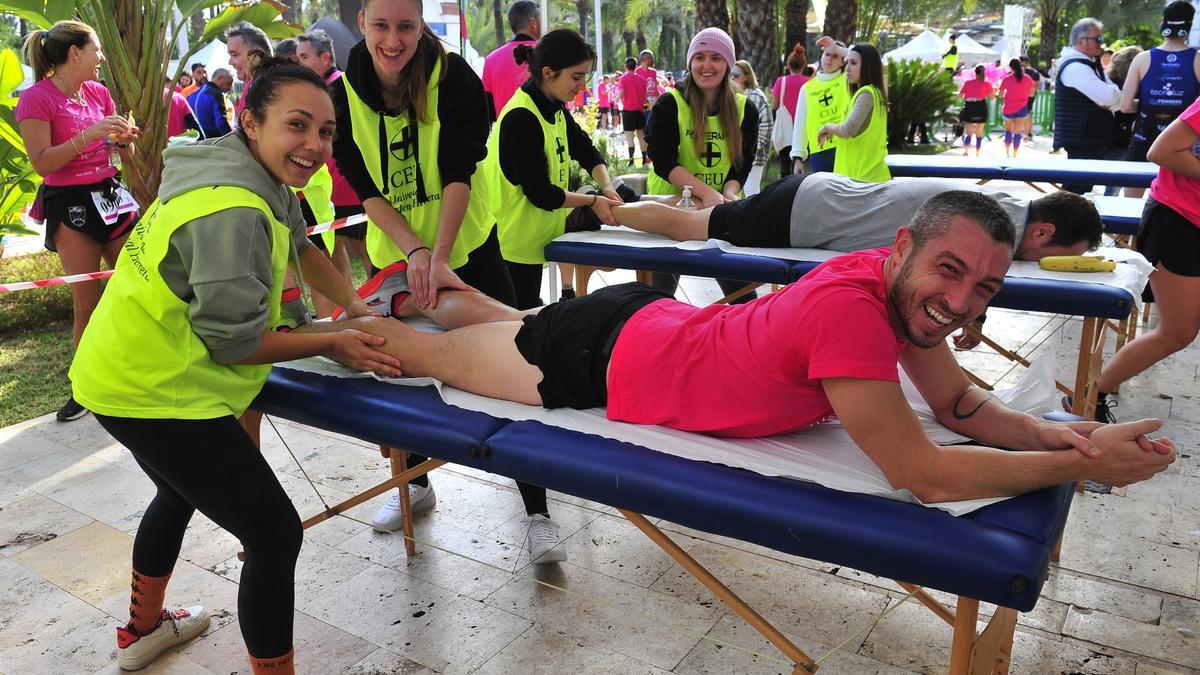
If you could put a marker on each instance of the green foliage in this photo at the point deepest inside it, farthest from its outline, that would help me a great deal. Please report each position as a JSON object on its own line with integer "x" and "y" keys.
{"x": 22, "y": 311}
{"x": 18, "y": 180}
{"x": 35, "y": 368}
{"x": 917, "y": 92}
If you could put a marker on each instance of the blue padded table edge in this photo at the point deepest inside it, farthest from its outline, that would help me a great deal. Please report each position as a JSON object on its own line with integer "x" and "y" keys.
{"x": 920, "y": 166}
{"x": 1117, "y": 215}
{"x": 413, "y": 418}
{"x": 1049, "y": 295}
{"x": 1095, "y": 171}
{"x": 998, "y": 554}
{"x": 709, "y": 262}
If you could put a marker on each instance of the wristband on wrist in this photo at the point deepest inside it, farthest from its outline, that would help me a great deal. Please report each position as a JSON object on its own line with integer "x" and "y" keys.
{"x": 419, "y": 248}
{"x": 593, "y": 201}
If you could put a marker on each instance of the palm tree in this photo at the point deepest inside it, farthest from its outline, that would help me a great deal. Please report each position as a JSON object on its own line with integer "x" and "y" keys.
{"x": 712, "y": 13}
{"x": 840, "y": 19}
{"x": 756, "y": 28}
{"x": 796, "y": 22}
{"x": 498, "y": 18}
{"x": 1050, "y": 12}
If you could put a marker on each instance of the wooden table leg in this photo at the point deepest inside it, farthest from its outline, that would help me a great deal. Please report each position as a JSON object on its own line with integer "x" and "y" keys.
{"x": 399, "y": 462}
{"x": 965, "y": 617}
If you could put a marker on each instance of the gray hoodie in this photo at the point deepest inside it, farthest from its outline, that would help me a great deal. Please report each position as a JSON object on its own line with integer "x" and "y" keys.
{"x": 221, "y": 264}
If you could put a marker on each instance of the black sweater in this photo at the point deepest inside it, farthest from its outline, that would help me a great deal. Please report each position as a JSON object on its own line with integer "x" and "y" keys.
{"x": 662, "y": 140}
{"x": 522, "y": 156}
{"x": 461, "y": 109}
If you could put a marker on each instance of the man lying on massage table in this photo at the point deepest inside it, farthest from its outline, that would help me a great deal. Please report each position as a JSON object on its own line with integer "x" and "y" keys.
{"x": 826, "y": 345}
{"x": 832, "y": 212}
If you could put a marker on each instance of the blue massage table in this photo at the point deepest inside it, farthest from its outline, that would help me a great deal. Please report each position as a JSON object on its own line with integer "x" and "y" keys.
{"x": 1095, "y": 303}
{"x": 1121, "y": 215}
{"x": 998, "y": 554}
{"x": 1096, "y": 171}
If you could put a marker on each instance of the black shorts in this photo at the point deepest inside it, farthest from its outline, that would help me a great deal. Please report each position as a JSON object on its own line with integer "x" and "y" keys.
{"x": 973, "y": 112}
{"x": 310, "y": 220}
{"x": 73, "y": 207}
{"x": 1167, "y": 237}
{"x": 603, "y": 109}
{"x": 633, "y": 120}
{"x": 763, "y": 220}
{"x": 358, "y": 231}
{"x": 572, "y": 341}
{"x": 1138, "y": 149}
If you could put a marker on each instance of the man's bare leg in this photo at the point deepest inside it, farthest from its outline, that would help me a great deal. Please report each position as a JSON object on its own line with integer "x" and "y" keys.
{"x": 456, "y": 309}
{"x": 482, "y": 359}
{"x": 656, "y": 218}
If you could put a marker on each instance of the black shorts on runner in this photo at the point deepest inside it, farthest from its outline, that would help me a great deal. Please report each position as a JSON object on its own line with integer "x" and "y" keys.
{"x": 973, "y": 112}
{"x": 358, "y": 231}
{"x": 73, "y": 207}
{"x": 633, "y": 120}
{"x": 572, "y": 341}
{"x": 1167, "y": 237}
{"x": 763, "y": 220}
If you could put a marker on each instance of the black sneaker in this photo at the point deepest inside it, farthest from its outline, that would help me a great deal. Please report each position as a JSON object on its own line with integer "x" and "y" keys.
{"x": 626, "y": 193}
{"x": 568, "y": 293}
{"x": 71, "y": 410}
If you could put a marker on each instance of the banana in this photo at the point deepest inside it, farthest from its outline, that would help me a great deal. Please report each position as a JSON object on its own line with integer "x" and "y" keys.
{"x": 1077, "y": 263}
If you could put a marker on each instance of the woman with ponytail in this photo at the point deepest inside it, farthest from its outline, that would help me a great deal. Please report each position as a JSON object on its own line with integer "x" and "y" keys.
{"x": 529, "y": 159}
{"x": 183, "y": 340}
{"x": 784, "y": 94}
{"x": 412, "y": 136}
{"x": 71, "y": 130}
{"x": 1016, "y": 89}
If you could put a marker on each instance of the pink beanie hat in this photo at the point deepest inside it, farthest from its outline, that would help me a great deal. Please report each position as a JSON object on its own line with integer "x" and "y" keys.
{"x": 712, "y": 40}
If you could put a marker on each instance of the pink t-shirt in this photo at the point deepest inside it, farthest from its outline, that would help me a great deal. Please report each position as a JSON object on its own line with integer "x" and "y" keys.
{"x": 1016, "y": 94}
{"x": 633, "y": 91}
{"x": 650, "y": 76}
{"x": 67, "y": 118}
{"x": 791, "y": 93}
{"x": 744, "y": 371}
{"x": 501, "y": 74}
{"x": 980, "y": 89}
{"x": 602, "y": 94}
{"x": 177, "y": 113}
{"x": 1180, "y": 193}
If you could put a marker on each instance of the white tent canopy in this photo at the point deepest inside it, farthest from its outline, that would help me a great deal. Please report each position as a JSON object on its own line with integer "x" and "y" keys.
{"x": 971, "y": 53}
{"x": 925, "y": 47}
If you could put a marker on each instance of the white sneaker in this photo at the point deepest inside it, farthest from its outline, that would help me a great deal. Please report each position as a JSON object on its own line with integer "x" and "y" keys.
{"x": 541, "y": 540}
{"x": 389, "y": 517}
{"x": 137, "y": 651}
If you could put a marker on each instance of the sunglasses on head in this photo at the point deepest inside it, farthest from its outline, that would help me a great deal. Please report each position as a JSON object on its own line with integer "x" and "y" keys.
{"x": 736, "y": 73}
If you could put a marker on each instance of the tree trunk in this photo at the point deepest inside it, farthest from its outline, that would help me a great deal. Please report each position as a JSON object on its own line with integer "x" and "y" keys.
{"x": 585, "y": 12}
{"x": 639, "y": 39}
{"x": 756, "y": 27}
{"x": 289, "y": 12}
{"x": 609, "y": 55}
{"x": 195, "y": 28}
{"x": 712, "y": 13}
{"x": 1051, "y": 13}
{"x": 627, "y": 37}
{"x": 796, "y": 23}
{"x": 499, "y": 20}
{"x": 840, "y": 19}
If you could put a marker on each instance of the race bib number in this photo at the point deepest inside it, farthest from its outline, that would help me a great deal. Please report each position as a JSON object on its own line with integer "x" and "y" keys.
{"x": 111, "y": 209}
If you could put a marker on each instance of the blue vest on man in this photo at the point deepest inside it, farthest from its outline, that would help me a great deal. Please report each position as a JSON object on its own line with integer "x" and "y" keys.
{"x": 1167, "y": 89}
{"x": 1078, "y": 121}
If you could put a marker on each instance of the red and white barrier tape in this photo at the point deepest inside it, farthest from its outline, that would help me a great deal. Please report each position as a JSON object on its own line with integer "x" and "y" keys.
{"x": 96, "y": 276}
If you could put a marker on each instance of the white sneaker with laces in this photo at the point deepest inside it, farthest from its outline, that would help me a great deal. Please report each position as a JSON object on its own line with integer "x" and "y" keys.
{"x": 389, "y": 517}
{"x": 541, "y": 540}
{"x": 137, "y": 651}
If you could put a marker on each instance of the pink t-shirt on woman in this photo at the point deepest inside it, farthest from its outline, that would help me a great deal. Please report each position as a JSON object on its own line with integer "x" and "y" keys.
{"x": 1180, "y": 193}
{"x": 67, "y": 119}
{"x": 751, "y": 370}
{"x": 1016, "y": 94}
{"x": 791, "y": 92}
{"x": 177, "y": 112}
{"x": 976, "y": 89}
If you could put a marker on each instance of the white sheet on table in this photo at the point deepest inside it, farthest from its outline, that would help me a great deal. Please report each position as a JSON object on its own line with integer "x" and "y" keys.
{"x": 1131, "y": 275}
{"x": 823, "y": 454}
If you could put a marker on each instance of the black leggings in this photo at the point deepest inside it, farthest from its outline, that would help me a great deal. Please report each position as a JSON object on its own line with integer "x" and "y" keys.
{"x": 485, "y": 269}
{"x": 212, "y": 466}
{"x": 527, "y": 284}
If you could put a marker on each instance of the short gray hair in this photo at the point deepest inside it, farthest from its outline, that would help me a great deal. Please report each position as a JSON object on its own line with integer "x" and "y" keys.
{"x": 933, "y": 219}
{"x": 1084, "y": 25}
{"x": 251, "y": 35}
{"x": 221, "y": 72}
{"x": 321, "y": 42}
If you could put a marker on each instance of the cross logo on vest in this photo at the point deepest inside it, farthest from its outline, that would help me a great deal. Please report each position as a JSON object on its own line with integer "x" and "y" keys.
{"x": 711, "y": 155}
{"x": 558, "y": 147}
{"x": 402, "y": 144}
{"x": 825, "y": 99}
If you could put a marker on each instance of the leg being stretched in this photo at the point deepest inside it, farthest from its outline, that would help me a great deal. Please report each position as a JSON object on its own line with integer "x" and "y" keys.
{"x": 656, "y": 218}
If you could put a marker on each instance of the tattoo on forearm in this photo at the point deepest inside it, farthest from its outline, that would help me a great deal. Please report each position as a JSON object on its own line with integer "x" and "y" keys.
{"x": 971, "y": 413}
